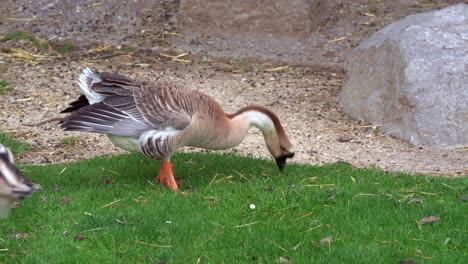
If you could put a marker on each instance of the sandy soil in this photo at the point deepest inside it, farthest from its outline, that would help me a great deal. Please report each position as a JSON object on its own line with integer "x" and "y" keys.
{"x": 304, "y": 100}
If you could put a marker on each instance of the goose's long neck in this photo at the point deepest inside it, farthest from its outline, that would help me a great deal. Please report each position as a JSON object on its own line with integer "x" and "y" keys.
{"x": 230, "y": 130}
{"x": 240, "y": 122}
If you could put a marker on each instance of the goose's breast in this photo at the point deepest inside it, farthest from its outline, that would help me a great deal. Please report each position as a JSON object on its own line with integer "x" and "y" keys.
{"x": 126, "y": 143}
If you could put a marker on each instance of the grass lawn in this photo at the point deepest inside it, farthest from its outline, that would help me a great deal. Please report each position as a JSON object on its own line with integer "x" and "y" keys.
{"x": 14, "y": 145}
{"x": 107, "y": 210}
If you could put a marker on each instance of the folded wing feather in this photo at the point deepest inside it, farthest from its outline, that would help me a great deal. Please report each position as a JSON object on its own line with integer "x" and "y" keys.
{"x": 127, "y": 108}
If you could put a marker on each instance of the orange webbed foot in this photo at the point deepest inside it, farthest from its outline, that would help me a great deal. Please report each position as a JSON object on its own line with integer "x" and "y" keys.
{"x": 166, "y": 176}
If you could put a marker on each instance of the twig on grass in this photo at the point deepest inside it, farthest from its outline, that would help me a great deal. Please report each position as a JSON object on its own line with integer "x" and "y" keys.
{"x": 156, "y": 245}
{"x": 214, "y": 178}
{"x": 63, "y": 170}
{"x": 280, "y": 247}
{"x": 289, "y": 207}
{"x": 413, "y": 191}
{"x": 212, "y": 235}
{"x": 459, "y": 171}
{"x": 151, "y": 183}
{"x": 297, "y": 246}
{"x": 406, "y": 197}
{"x": 95, "y": 229}
{"x": 244, "y": 225}
{"x": 304, "y": 216}
{"x": 320, "y": 185}
{"x": 424, "y": 257}
{"x": 447, "y": 185}
{"x": 310, "y": 229}
{"x": 365, "y": 194}
{"x": 109, "y": 204}
{"x": 242, "y": 175}
{"x": 225, "y": 179}
{"x": 78, "y": 247}
{"x": 199, "y": 169}
{"x": 114, "y": 172}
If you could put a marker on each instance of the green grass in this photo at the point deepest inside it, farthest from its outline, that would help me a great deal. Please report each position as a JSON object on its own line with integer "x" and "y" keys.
{"x": 14, "y": 145}
{"x": 129, "y": 49}
{"x": 5, "y": 87}
{"x": 18, "y": 35}
{"x": 26, "y": 37}
{"x": 65, "y": 48}
{"x": 114, "y": 215}
{"x": 70, "y": 141}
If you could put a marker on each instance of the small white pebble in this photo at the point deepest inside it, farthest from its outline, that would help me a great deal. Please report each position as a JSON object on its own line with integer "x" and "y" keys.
{"x": 252, "y": 206}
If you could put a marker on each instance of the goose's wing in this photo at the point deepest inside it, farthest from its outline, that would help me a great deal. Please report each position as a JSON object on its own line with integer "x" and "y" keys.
{"x": 125, "y": 107}
{"x": 160, "y": 108}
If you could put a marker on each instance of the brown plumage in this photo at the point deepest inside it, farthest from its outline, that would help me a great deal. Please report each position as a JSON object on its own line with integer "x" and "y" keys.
{"x": 156, "y": 119}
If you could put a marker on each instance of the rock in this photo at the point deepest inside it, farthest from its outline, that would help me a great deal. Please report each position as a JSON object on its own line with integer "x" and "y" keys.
{"x": 411, "y": 77}
{"x": 428, "y": 220}
{"x": 346, "y": 137}
{"x": 268, "y": 29}
{"x": 326, "y": 240}
{"x": 463, "y": 198}
{"x": 294, "y": 17}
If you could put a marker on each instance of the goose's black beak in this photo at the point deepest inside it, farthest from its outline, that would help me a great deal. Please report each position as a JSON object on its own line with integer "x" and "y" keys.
{"x": 281, "y": 161}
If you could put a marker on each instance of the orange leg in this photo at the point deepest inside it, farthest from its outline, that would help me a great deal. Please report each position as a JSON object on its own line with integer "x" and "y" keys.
{"x": 166, "y": 177}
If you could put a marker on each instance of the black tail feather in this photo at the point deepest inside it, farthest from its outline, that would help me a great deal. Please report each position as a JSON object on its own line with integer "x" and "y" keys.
{"x": 75, "y": 105}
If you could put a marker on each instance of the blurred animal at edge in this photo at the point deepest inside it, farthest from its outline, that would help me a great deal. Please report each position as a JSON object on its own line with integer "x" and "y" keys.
{"x": 13, "y": 184}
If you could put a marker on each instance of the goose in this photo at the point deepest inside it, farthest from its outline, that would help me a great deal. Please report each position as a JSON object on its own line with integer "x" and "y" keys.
{"x": 13, "y": 184}
{"x": 158, "y": 118}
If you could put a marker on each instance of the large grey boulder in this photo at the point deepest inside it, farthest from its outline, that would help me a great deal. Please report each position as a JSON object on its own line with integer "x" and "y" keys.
{"x": 411, "y": 77}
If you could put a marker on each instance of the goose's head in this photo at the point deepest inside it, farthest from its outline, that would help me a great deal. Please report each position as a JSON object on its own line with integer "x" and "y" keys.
{"x": 276, "y": 140}
{"x": 279, "y": 147}
{"x": 13, "y": 184}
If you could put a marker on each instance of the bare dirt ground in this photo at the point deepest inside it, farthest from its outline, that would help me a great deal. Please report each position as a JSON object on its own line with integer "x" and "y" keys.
{"x": 304, "y": 99}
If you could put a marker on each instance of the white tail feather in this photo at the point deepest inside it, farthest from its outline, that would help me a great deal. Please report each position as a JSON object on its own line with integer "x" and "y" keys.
{"x": 87, "y": 79}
